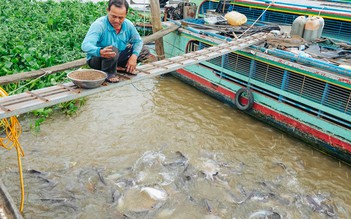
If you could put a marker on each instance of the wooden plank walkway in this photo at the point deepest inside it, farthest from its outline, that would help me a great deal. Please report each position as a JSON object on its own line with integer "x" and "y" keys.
{"x": 37, "y": 99}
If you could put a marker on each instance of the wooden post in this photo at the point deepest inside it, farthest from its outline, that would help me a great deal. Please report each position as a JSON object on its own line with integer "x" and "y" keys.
{"x": 156, "y": 26}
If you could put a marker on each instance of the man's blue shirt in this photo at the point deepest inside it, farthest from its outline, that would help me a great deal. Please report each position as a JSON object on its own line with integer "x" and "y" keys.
{"x": 101, "y": 34}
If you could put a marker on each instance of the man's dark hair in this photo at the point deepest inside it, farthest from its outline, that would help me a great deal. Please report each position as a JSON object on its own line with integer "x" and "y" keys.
{"x": 118, "y": 4}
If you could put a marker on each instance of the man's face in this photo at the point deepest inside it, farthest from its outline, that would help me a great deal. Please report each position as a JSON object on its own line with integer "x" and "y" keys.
{"x": 116, "y": 16}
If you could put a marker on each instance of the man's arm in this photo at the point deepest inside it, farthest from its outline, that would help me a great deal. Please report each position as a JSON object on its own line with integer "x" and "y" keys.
{"x": 89, "y": 44}
{"x": 136, "y": 41}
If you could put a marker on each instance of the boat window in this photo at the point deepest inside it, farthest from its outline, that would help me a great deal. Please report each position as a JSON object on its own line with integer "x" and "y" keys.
{"x": 192, "y": 46}
{"x": 269, "y": 74}
{"x": 224, "y": 6}
{"x": 241, "y": 64}
{"x": 207, "y": 5}
{"x": 339, "y": 99}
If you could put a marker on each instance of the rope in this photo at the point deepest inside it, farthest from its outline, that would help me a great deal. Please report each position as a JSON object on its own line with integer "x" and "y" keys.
{"x": 250, "y": 74}
{"x": 45, "y": 73}
{"x": 255, "y": 20}
{"x": 319, "y": 13}
{"x": 222, "y": 68}
{"x": 141, "y": 90}
{"x": 13, "y": 131}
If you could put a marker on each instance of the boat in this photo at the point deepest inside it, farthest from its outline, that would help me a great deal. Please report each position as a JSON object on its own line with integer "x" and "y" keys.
{"x": 302, "y": 87}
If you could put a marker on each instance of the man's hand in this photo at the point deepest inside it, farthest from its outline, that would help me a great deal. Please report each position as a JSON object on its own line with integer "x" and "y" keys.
{"x": 131, "y": 64}
{"x": 107, "y": 52}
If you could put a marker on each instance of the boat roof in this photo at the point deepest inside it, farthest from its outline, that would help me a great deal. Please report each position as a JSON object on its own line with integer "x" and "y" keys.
{"x": 334, "y": 5}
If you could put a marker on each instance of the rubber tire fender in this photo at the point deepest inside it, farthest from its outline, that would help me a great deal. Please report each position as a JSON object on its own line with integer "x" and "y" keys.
{"x": 249, "y": 96}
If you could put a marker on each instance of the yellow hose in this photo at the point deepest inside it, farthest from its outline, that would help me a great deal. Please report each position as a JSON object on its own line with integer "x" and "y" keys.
{"x": 13, "y": 131}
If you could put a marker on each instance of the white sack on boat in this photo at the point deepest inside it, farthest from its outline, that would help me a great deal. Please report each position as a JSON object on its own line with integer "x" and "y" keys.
{"x": 155, "y": 194}
{"x": 235, "y": 18}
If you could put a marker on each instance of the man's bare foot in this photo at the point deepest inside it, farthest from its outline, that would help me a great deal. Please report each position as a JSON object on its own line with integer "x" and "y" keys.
{"x": 112, "y": 78}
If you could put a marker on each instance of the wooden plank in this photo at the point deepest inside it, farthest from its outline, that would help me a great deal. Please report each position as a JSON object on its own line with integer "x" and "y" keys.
{"x": 160, "y": 33}
{"x": 37, "y": 96}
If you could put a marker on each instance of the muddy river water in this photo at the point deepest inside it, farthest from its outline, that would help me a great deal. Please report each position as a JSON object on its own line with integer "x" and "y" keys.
{"x": 161, "y": 149}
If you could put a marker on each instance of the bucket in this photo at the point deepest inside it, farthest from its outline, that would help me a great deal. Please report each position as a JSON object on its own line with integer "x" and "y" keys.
{"x": 312, "y": 27}
{"x": 320, "y": 30}
{"x": 235, "y": 18}
{"x": 298, "y": 26}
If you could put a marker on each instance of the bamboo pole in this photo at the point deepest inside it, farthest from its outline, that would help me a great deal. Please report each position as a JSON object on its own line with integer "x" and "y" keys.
{"x": 7, "y": 79}
{"x": 156, "y": 26}
{"x": 160, "y": 33}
